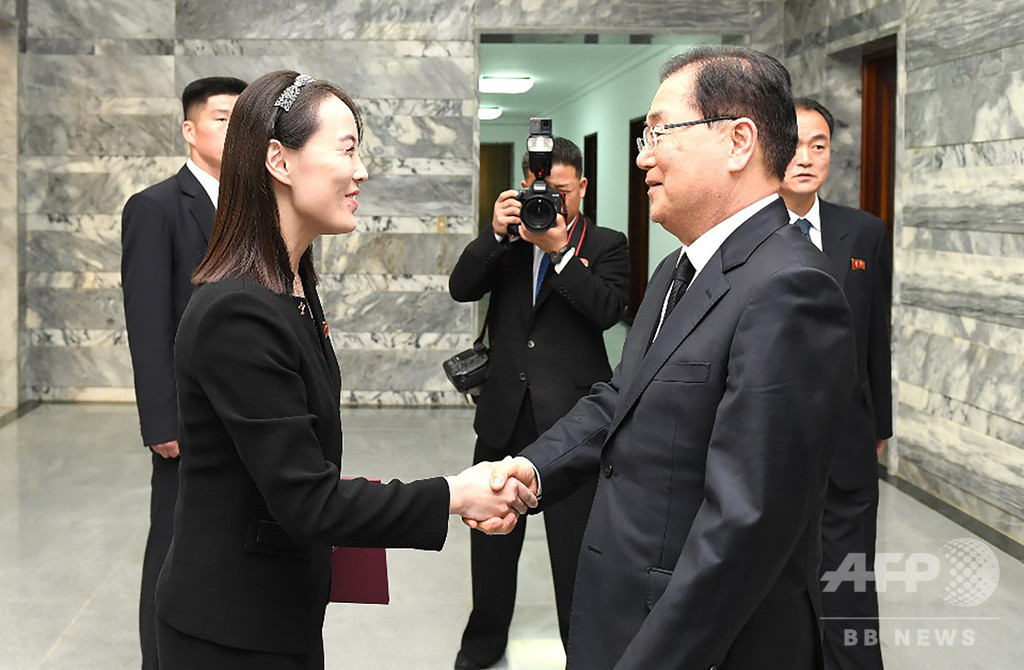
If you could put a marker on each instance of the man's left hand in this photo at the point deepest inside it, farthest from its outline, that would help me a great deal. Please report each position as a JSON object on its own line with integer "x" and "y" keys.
{"x": 550, "y": 240}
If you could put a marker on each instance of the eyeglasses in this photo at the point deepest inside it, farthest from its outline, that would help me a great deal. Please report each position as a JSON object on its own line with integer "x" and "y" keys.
{"x": 650, "y": 136}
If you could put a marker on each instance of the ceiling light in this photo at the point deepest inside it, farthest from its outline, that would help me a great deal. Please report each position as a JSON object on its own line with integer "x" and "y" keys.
{"x": 505, "y": 84}
{"x": 488, "y": 113}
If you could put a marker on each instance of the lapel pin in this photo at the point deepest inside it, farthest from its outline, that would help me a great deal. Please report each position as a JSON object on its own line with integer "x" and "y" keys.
{"x": 857, "y": 264}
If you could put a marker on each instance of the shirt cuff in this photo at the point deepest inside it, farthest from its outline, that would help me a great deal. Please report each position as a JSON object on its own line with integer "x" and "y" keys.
{"x": 565, "y": 260}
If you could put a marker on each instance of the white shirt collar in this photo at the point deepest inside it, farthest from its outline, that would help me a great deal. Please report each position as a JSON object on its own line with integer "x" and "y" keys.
{"x": 813, "y": 214}
{"x": 704, "y": 247}
{"x": 206, "y": 180}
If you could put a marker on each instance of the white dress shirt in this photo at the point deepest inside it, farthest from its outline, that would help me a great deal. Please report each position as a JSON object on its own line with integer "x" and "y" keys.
{"x": 814, "y": 216}
{"x": 206, "y": 180}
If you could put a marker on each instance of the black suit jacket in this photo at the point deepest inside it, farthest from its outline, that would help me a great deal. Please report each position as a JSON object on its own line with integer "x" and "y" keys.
{"x": 555, "y": 349}
{"x": 260, "y": 499}
{"x": 856, "y": 242}
{"x": 703, "y": 542}
{"x": 165, "y": 230}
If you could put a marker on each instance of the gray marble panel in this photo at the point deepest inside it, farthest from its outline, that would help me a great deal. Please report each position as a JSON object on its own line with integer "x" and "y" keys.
{"x": 1003, "y": 308}
{"x": 803, "y": 18}
{"x": 89, "y": 135}
{"x": 940, "y": 31}
{"x": 72, "y": 193}
{"x": 316, "y": 49}
{"x": 766, "y": 27}
{"x": 971, "y": 461}
{"x": 807, "y": 71}
{"x": 416, "y": 195}
{"x": 376, "y": 164}
{"x": 417, "y": 107}
{"x": 961, "y": 71}
{"x": 431, "y": 399}
{"x": 514, "y": 15}
{"x": 395, "y": 312}
{"x": 981, "y": 217}
{"x": 197, "y": 19}
{"x": 101, "y": 18}
{"x": 57, "y": 308}
{"x": 982, "y": 110}
{"x": 1008, "y": 153}
{"x": 8, "y": 9}
{"x": 77, "y": 367}
{"x": 986, "y": 378}
{"x": 77, "y": 337}
{"x": 389, "y": 20}
{"x": 393, "y": 370}
{"x": 418, "y": 136}
{"x": 883, "y": 14}
{"x": 44, "y": 78}
{"x": 389, "y": 253}
{"x": 72, "y": 280}
{"x": 1004, "y": 522}
{"x": 998, "y": 245}
{"x": 119, "y": 47}
{"x": 937, "y": 405}
{"x": 61, "y": 46}
{"x": 47, "y": 251}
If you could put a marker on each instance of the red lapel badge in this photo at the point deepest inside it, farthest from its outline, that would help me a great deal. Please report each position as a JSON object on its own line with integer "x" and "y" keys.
{"x": 857, "y": 264}
{"x": 585, "y": 262}
{"x": 327, "y": 330}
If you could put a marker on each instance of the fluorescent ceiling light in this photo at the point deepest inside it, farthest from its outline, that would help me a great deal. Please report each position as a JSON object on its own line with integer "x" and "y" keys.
{"x": 505, "y": 84}
{"x": 488, "y": 113}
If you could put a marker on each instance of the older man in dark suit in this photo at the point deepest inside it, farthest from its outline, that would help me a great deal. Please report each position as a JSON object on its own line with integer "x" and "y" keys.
{"x": 856, "y": 243}
{"x": 165, "y": 230}
{"x": 713, "y": 437}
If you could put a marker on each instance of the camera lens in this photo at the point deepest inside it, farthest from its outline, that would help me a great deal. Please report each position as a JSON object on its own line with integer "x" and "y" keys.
{"x": 538, "y": 213}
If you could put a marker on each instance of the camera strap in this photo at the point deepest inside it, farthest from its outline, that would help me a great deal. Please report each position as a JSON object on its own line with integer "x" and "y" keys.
{"x": 478, "y": 343}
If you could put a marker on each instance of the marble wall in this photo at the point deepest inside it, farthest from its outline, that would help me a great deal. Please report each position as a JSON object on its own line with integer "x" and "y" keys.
{"x": 958, "y": 319}
{"x": 8, "y": 210}
{"x": 99, "y": 119}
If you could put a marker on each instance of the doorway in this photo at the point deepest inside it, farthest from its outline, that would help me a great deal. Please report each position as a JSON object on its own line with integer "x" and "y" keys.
{"x": 878, "y": 133}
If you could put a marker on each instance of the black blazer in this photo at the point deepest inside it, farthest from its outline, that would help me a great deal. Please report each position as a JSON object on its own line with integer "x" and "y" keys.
{"x": 555, "y": 349}
{"x": 165, "y": 230}
{"x": 856, "y": 242}
{"x": 703, "y": 543}
{"x": 260, "y": 499}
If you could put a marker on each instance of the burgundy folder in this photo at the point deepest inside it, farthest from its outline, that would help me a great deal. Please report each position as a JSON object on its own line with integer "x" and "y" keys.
{"x": 359, "y": 575}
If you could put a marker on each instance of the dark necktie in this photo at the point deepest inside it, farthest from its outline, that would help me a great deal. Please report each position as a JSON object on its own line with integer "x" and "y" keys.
{"x": 805, "y": 227}
{"x": 545, "y": 262}
{"x": 681, "y": 278}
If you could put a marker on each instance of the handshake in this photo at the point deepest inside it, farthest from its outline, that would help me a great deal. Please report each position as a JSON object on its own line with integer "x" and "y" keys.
{"x": 491, "y": 496}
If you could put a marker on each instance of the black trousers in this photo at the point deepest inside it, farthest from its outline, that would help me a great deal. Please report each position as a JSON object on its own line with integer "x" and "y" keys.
{"x": 179, "y": 651}
{"x": 848, "y": 526}
{"x": 494, "y": 560}
{"x": 163, "y": 496}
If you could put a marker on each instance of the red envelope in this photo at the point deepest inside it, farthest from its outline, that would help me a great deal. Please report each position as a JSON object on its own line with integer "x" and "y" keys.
{"x": 359, "y": 575}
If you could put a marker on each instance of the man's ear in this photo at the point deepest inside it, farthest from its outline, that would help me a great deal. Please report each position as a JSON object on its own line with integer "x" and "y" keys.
{"x": 583, "y": 187}
{"x": 276, "y": 163}
{"x": 742, "y": 143}
{"x": 188, "y": 132}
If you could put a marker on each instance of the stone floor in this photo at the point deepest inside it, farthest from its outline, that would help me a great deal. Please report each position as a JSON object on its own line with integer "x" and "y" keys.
{"x": 73, "y": 514}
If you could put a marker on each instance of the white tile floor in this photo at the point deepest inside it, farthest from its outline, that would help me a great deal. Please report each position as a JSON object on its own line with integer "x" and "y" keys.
{"x": 73, "y": 514}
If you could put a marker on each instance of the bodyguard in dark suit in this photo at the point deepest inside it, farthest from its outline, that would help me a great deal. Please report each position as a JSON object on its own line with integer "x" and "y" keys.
{"x": 713, "y": 437}
{"x": 553, "y": 295}
{"x": 164, "y": 233}
{"x": 856, "y": 243}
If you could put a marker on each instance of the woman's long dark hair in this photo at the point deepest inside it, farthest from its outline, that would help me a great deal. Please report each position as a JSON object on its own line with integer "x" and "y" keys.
{"x": 247, "y": 230}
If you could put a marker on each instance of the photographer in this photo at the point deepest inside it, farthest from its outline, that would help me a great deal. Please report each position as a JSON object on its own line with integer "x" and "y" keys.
{"x": 553, "y": 291}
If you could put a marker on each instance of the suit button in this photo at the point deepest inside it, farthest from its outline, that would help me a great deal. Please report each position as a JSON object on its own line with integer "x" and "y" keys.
{"x": 529, "y": 344}
{"x": 522, "y": 376}
{"x": 606, "y": 470}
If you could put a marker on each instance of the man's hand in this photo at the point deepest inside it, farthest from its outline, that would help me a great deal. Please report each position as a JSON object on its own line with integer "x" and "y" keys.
{"x": 880, "y": 446}
{"x": 552, "y": 239}
{"x": 506, "y": 212}
{"x": 507, "y": 472}
{"x": 166, "y": 449}
{"x": 475, "y": 499}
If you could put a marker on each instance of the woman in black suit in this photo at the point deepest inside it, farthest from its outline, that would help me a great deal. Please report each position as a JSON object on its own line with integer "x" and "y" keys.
{"x": 246, "y": 581}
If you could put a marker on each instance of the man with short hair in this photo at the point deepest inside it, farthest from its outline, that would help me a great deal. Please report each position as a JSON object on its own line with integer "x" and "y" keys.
{"x": 712, "y": 438}
{"x": 554, "y": 293}
{"x": 165, "y": 230}
{"x": 856, "y": 243}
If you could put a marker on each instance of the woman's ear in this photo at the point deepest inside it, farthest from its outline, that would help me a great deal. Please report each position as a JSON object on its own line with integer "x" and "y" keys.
{"x": 276, "y": 163}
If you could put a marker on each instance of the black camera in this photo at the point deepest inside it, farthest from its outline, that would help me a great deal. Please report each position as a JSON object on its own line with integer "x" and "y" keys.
{"x": 541, "y": 203}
